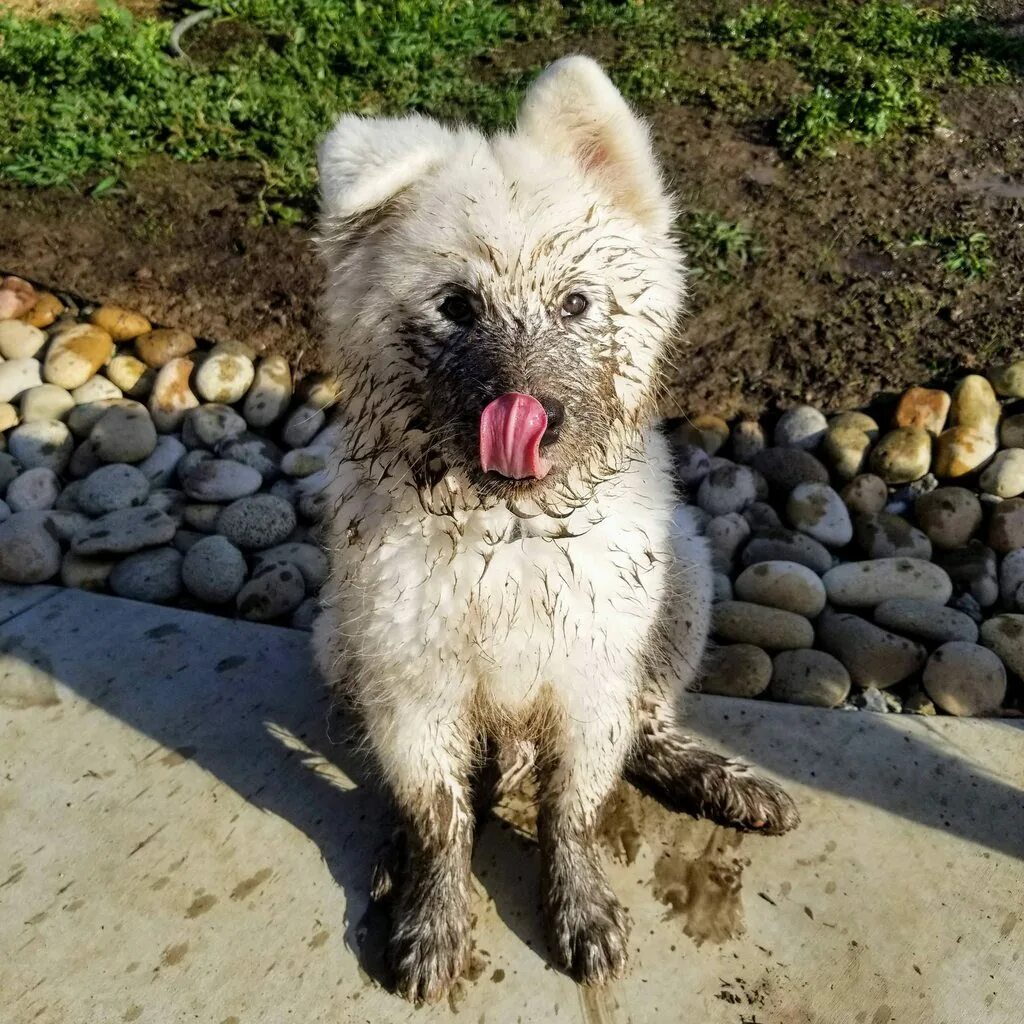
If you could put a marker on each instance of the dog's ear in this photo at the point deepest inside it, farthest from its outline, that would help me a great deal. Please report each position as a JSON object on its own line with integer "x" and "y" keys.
{"x": 574, "y": 110}
{"x": 367, "y": 163}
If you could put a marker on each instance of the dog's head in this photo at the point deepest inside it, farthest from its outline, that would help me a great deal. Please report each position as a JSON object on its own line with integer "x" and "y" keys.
{"x": 498, "y": 306}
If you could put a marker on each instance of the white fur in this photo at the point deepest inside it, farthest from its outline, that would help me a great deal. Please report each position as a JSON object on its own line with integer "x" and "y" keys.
{"x": 448, "y": 615}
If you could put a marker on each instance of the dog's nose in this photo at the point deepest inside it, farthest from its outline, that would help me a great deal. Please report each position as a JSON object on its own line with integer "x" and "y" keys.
{"x": 556, "y": 417}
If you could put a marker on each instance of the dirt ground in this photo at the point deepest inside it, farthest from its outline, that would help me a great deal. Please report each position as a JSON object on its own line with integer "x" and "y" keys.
{"x": 836, "y": 309}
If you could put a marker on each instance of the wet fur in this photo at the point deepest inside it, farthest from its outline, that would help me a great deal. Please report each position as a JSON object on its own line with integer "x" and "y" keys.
{"x": 559, "y": 622}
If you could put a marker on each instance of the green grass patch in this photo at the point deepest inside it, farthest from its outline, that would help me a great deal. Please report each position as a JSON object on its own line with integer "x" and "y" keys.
{"x": 969, "y": 255}
{"x": 718, "y": 248}
{"x": 82, "y": 103}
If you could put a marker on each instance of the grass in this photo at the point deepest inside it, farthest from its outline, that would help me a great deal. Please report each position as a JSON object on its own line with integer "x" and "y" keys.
{"x": 968, "y": 255}
{"x": 717, "y": 247}
{"x": 83, "y": 103}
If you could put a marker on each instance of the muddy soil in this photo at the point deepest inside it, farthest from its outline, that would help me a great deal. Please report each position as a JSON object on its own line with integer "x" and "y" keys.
{"x": 836, "y": 309}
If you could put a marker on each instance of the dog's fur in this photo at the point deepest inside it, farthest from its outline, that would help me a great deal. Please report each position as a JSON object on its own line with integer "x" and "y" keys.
{"x": 557, "y": 620}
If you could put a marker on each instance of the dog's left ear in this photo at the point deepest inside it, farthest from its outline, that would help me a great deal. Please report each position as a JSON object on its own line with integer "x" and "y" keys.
{"x": 574, "y": 110}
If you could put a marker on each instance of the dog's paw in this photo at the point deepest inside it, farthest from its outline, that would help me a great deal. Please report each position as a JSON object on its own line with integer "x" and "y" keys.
{"x": 751, "y": 803}
{"x": 588, "y": 935}
{"x": 428, "y": 952}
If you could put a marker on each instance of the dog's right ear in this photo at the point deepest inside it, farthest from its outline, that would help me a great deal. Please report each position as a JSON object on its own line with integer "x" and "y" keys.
{"x": 367, "y": 163}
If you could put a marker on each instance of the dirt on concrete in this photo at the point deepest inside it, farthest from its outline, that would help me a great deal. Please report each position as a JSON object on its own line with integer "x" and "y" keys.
{"x": 837, "y": 307}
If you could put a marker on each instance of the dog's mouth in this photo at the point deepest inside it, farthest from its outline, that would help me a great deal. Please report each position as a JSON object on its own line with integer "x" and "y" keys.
{"x": 512, "y": 428}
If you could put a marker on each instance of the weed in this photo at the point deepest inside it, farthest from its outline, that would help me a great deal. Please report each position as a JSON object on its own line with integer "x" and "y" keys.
{"x": 718, "y": 247}
{"x": 969, "y": 255}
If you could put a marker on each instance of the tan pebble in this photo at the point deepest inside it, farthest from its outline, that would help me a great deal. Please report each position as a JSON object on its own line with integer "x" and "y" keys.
{"x": 1008, "y": 379}
{"x": 46, "y": 309}
{"x": 76, "y": 354}
{"x": 961, "y": 450}
{"x": 17, "y": 297}
{"x": 157, "y": 348}
{"x": 926, "y": 408}
{"x": 8, "y": 416}
{"x": 121, "y": 324}
{"x": 855, "y": 421}
{"x": 131, "y": 375}
{"x": 172, "y": 397}
{"x": 847, "y": 448}
{"x": 866, "y": 493}
{"x": 902, "y": 456}
{"x": 975, "y": 406}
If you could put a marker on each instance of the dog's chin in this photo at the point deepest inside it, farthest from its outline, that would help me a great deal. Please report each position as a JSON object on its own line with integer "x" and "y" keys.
{"x": 503, "y": 488}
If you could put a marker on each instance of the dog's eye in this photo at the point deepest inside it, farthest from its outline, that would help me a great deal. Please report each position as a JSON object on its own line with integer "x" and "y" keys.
{"x": 457, "y": 309}
{"x": 574, "y": 304}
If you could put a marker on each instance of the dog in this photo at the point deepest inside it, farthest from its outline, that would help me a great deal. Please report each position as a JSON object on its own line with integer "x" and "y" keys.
{"x": 511, "y": 565}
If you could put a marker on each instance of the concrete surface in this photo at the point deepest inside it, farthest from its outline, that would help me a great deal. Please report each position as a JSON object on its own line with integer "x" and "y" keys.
{"x": 187, "y": 836}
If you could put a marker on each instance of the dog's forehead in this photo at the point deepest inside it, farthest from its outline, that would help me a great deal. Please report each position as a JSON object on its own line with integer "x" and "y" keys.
{"x": 501, "y": 208}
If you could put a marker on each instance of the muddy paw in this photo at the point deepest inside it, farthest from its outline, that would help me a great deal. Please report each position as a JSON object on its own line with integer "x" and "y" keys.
{"x": 428, "y": 953}
{"x": 754, "y": 804}
{"x": 588, "y": 937}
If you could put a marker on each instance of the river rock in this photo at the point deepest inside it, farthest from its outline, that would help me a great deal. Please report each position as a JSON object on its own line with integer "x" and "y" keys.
{"x": 131, "y": 375}
{"x": 1011, "y": 431}
{"x": 157, "y": 348}
{"x": 926, "y": 620}
{"x": 1006, "y": 529}
{"x": 847, "y": 449}
{"x": 784, "y": 468}
{"x": 873, "y": 656}
{"x": 305, "y": 616}
{"x": 865, "y": 584}
{"x": 210, "y": 424}
{"x": 800, "y": 427}
{"x": 29, "y": 552}
{"x": 816, "y": 509}
{"x": 202, "y": 516}
{"x": 1004, "y": 475}
{"x": 304, "y": 423}
{"x": 949, "y": 516}
{"x": 19, "y": 340}
{"x": 1011, "y": 576}
{"x": 8, "y": 418}
{"x": 1004, "y": 634}
{"x": 96, "y": 389}
{"x": 256, "y": 522}
{"x": 190, "y": 462}
{"x": 17, "y": 376}
{"x": 84, "y": 573}
{"x": 76, "y": 354}
{"x": 962, "y": 450}
{"x": 171, "y": 397}
{"x": 809, "y": 677}
{"x": 9, "y": 469}
{"x": 225, "y": 374}
{"x": 761, "y": 517}
{"x": 158, "y": 467}
{"x": 42, "y": 443}
{"x": 169, "y": 501}
{"x": 252, "y": 450}
{"x": 726, "y": 534}
{"x": 33, "y": 490}
{"x": 747, "y": 440}
{"x": 1008, "y": 379}
{"x": 786, "y": 585}
{"x": 887, "y": 536}
{"x": 727, "y": 489}
{"x": 721, "y": 587}
{"x": 856, "y": 421}
{"x": 310, "y": 560}
{"x": 276, "y": 589}
{"x": 120, "y": 323}
{"x": 902, "y": 455}
{"x": 743, "y": 622}
{"x": 787, "y": 546}
{"x": 735, "y": 670}
{"x": 925, "y": 409}
{"x": 692, "y": 464}
{"x": 124, "y": 531}
{"x": 302, "y": 462}
{"x": 965, "y": 679}
{"x": 972, "y": 569}
{"x": 17, "y": 297}
{"x": 975, "y": 406}
{"x": 866, "y": 494}
{"x": 221, "y": 480}
{"x": 46, "y": 402}
{"x": 153, "y": 575}
{"x": 214, "y": 570}
{"x": 270, "y": 394}
{"x": 112, "y": 487}
{"x": 46, "y": 309}
{"x": 124, "y": 433}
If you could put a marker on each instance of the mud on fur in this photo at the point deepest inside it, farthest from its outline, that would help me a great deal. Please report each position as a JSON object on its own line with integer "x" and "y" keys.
{"x": 557, "y": 616}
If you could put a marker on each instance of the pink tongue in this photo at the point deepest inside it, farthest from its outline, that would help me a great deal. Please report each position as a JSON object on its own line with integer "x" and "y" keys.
{"x": 510, "y": 431}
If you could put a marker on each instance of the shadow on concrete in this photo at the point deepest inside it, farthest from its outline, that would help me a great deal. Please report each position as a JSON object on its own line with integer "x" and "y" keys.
{"x": 924, "y": 770}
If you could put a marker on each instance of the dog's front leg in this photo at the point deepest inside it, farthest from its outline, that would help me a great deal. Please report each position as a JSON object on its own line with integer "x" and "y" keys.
{"x": 580, "y": 763}
{"x": 425, "y": 751}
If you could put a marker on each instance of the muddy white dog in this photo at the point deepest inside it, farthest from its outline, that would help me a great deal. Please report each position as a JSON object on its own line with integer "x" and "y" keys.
{"x": 512, "y": 570}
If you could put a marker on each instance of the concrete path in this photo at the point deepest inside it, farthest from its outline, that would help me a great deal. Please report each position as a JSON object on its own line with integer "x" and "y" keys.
{"x": 186, "y": 835}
